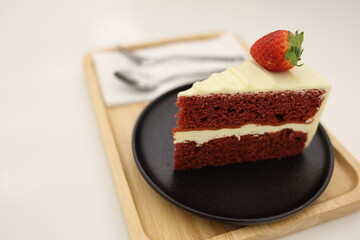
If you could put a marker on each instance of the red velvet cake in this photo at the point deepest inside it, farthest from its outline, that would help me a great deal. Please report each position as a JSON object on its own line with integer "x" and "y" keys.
{"x": 247, "y": 113}
{"x": 258, "y": 110}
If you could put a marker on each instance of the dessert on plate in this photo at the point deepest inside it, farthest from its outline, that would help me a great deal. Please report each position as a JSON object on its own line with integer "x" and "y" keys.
{"x": 264, "y": 108}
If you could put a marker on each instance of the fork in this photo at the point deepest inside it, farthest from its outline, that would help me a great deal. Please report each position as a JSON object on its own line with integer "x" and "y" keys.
{"x": 145, "y": 82}
{"x": 142, "y": 60}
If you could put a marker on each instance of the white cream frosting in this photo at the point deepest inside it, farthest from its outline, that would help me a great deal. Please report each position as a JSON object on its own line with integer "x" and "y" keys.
{"x": 203, "y": 136}
{"x": 250, "y": 77}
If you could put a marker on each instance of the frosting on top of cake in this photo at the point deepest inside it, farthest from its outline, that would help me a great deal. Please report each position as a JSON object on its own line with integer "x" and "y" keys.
{"x": 251, "y": 77}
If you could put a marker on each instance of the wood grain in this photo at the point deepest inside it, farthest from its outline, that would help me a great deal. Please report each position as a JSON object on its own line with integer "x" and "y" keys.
{"x": 149, "y": 216}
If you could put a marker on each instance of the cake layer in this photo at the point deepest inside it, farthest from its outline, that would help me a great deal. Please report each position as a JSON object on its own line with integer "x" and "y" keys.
{"x": 203, "y": 136}
{"x": 226, "y": 150}
{"x": 225, "y": 110}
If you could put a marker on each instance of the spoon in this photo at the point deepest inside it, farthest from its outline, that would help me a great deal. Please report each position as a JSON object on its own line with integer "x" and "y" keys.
{"x": 145, "y": 82}
{"x": 142, "y": 60}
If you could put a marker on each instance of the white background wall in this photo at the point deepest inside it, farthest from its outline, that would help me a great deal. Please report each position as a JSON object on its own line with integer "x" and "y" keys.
{"x": 55, "y": 182}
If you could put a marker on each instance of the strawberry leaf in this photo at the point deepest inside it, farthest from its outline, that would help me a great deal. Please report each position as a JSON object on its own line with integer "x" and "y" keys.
{"x": 295, "y": 51}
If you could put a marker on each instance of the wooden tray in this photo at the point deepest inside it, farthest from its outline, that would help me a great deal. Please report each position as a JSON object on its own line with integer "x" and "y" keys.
{"x": 149, "y": 216}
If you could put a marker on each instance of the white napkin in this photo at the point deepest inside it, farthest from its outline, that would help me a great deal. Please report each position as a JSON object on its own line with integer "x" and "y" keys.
{"x": 116, "y": 92}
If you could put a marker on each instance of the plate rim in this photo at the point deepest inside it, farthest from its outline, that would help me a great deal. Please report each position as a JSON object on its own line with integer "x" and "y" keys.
{"x": 237, "y": 221}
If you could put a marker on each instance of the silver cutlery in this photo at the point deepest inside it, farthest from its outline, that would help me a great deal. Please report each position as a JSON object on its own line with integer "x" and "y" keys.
{"x": 145, "y": 82}
{"x": 142, "y": 60}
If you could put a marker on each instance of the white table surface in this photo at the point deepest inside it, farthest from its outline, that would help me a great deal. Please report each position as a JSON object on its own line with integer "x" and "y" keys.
{"x": 55, "y": 182}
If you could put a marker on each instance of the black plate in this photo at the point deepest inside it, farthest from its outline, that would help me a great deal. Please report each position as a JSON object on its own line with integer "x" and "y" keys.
{"x": 246, "y": 193}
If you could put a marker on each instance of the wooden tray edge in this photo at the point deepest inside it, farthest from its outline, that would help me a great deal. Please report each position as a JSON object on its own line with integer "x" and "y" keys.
{"x": 174, "y": 40}
{"x": 132, "y": 219}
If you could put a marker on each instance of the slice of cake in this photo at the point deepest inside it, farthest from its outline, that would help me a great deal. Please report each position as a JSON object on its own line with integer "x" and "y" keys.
{"x": 248, "y": 113}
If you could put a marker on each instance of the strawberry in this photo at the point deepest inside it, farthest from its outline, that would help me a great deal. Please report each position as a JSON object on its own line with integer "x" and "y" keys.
{"x": 278, "y": 51}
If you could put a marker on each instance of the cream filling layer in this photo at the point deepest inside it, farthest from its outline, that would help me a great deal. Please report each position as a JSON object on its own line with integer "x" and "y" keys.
{"x": 203, "y": 136}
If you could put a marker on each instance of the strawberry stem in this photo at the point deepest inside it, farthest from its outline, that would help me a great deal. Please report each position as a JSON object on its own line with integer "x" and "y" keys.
{"x": 295, "y": 51}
